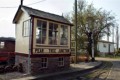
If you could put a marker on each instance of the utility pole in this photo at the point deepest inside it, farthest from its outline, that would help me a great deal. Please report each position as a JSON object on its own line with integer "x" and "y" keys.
{"x": 92, "y": 37}
{"x": 75, "y": 31}
{"x": 21, "y": 4}
{"x": 108, "y": 40}
{"x": 30, "y": 37}
{"x": 117, "y": 38}
{"x": 30, "y": 29}
{"x": 113, "y": 35}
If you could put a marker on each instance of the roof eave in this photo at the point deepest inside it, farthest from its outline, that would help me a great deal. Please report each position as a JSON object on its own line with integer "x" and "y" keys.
{"x": 14, "y": 19}
{"x": 51, "y": 20}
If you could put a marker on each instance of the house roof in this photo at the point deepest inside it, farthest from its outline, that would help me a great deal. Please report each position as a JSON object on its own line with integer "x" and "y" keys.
{"x": 106, "y": 41}
{"x": 7, "y": 39}
{"x": 41, "y": 14}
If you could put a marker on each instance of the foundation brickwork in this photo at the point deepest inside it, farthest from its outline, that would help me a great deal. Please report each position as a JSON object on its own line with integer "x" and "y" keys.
{"x": 36, "y": 68}
{"x": 24, "y": 60}
{"x": 52, "y": 65}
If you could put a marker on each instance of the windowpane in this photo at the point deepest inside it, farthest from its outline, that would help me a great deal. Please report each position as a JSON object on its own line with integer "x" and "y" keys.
{"x": 44, "y": 62}
{"x": 39, "y": 23}
{"x": 26, "y": 26}
{"x": 53, "y": 33}
{"x": 41, "y": 32}
{"x": 64, "y": 35}
{"x": 61, "y": 61}
{"x": 2, "y": 44}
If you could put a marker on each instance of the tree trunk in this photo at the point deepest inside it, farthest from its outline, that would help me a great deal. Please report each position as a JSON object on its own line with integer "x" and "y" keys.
{"x": 89, "y": 47}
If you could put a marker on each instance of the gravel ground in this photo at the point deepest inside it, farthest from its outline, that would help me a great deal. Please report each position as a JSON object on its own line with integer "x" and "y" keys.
{"x": 21, "y": 76}
{"x": 12, "y": 75}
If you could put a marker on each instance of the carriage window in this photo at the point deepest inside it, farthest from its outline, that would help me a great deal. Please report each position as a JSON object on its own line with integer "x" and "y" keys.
{"x": 2, "y": 44}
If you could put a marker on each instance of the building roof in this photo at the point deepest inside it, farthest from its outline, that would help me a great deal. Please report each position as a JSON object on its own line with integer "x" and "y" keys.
{"x": 106, "y": 41}
{"x": 41, "y": 14}
{"x": 7, "y": 39}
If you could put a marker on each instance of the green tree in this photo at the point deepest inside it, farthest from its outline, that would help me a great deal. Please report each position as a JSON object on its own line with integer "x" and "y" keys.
{"x": 91, "y": 21}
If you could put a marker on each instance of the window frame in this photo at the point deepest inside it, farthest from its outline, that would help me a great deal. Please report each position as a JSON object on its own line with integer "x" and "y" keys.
{"x": 104, "y": 45}
{"x": 61, "y": 61}
{"x": 44, "y": 62}
{"x": 26, "y": 29}
{"x": 58, "y": 38}
{"x": 2, "y": 46}
{"x": 53, "y": 30}
{"x": 41, "y": 31}
{"x": 67, "y": 34}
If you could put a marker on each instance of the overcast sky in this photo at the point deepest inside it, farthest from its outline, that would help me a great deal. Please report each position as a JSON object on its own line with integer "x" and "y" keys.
{"x": 7, "y": 28}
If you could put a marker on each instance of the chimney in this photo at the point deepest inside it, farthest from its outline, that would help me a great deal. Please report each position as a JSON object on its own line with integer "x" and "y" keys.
{"x": 21, "y": 4}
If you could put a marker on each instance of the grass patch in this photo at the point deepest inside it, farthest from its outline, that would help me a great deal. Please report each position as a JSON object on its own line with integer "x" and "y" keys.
{"x": 88, "y": 76}
{"x": 110, "y": 56}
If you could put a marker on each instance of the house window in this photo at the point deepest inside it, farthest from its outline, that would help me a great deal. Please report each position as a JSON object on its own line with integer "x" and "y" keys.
{"x": 44, "y": 62}
{"x": 104, "y": 45}
{"x": 53, "y": 33}
{"x": 64, "y": 35}
{"x": 61, "y": 61}
{"x": 2, "y": 44}
{"x": 26, "y": 26}
{"x": 41, "y": 32}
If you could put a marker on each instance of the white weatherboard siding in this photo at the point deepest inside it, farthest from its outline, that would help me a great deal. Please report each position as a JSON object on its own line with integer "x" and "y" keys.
{"x": 112, "y": 48}
{"x": 22, "y": 43}
{"x": 103, "y": 47}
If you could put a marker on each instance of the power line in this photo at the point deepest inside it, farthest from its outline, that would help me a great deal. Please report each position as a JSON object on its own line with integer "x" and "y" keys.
{"x": 10, "y": 7}
{"x": 27, "y": 4}
{"x": 36, "y": 2}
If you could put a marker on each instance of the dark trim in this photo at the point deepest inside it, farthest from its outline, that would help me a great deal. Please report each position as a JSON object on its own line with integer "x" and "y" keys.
{"x": 43, "y": 55}
{"x": 7, "y": 52}
{"x": 7, "y": 39}
{"x": 21, "y": 54}
{"x": 51, "y": 20}
{"x": 32, "y": 36}
{"x": 51, "y": 46}
{"x": 49, "y": 55}
{"x": 14, "y": 19}
{"x": 70, "y": 40}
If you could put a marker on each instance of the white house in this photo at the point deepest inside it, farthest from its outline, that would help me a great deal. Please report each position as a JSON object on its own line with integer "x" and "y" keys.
{"x": 105, "y": 47}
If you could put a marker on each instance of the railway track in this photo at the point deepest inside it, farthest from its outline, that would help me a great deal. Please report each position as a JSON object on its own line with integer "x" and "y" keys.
{"x": 98, "y": 74}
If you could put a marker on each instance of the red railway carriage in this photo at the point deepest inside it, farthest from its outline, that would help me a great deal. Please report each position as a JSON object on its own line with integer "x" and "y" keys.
{"x": 7, "y": 50}
{"x": 5, "y": 56}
